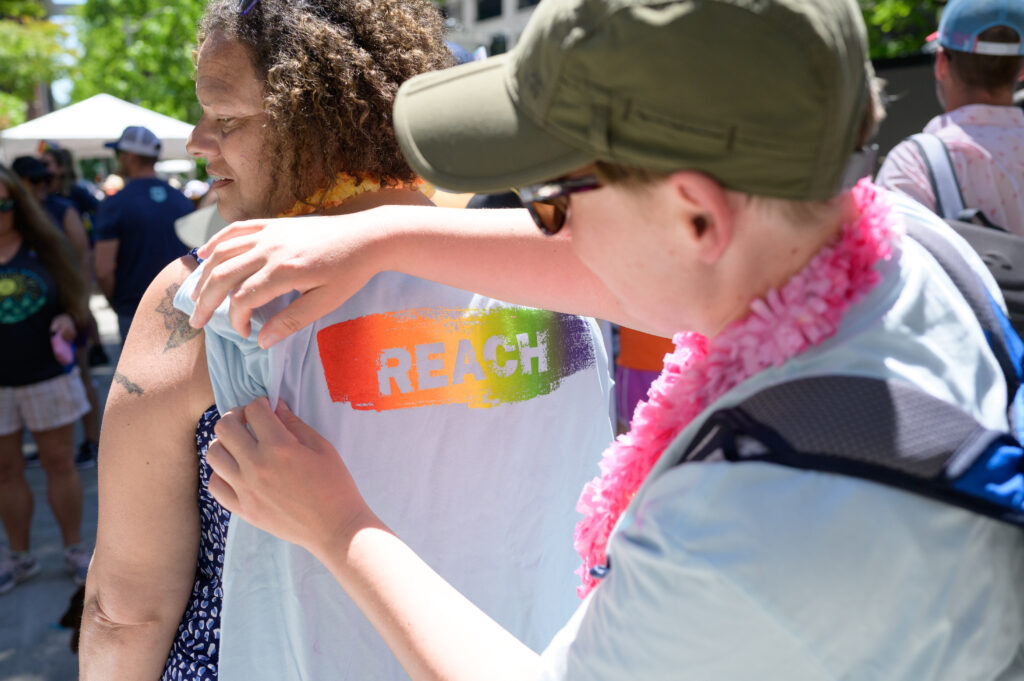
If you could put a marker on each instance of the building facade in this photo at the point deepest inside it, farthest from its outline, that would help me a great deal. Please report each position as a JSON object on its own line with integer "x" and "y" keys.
{"x": 493, "y": 24}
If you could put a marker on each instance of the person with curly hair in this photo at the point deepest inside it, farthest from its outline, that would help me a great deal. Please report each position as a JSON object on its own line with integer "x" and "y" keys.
{"x": 42, "y": 304}
{"x": 457, "y": 409}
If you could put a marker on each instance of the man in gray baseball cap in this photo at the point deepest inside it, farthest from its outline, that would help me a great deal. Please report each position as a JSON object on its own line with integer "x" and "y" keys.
{"x": 134, "y": 229}
{"x": 136, "y": 139}
{"x": 700, "y": 163}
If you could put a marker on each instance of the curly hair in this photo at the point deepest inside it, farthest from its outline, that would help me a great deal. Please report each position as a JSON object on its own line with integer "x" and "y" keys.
{"x": 51, "y": 247}
{"x": 332, "y": 69}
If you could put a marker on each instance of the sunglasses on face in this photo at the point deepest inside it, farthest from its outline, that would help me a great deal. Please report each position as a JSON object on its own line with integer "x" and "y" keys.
{"x": 548, "y": 202}
{"x": 6, "y": 205}
{"x": 244, "y": 6}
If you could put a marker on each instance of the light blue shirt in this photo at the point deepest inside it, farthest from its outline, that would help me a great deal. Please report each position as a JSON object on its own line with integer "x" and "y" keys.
{"x": 470, "y": 427}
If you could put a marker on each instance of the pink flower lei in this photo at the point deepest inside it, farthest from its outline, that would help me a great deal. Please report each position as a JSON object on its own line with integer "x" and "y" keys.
{"x": 803, "y": 313}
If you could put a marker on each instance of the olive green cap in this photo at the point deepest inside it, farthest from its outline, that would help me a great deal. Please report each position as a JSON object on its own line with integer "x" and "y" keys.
{"x": 766, "y": 96}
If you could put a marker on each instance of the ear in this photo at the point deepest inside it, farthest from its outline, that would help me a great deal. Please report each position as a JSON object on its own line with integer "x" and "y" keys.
{"x": 703, "y": 208}
{"x": 941, "y": 65}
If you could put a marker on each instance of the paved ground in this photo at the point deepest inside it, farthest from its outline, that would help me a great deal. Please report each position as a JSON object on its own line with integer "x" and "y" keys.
{"x": 33, "y": 647}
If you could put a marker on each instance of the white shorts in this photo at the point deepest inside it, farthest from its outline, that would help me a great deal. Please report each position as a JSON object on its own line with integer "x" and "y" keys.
{"x": 41, "y": 406}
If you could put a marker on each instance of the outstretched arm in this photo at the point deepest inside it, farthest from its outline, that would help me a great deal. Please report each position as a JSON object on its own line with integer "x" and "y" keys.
{"x": 142, "y": 571}
{"x": 498, "y": 253}
{"x": 284, "y": 478}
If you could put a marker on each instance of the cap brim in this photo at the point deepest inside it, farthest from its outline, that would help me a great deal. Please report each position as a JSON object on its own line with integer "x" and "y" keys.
{"x": 461, "y": 130}
{"x": 196, "y": 228}
{"x": 110, "y": 145}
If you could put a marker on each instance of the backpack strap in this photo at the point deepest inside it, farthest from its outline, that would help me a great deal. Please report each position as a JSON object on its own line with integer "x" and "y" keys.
{"x": 884, "y": 431}
{"x": 887, "y": 432}
{"x": 949, "y": 201}
{"x": 975, "y": 217}
{"x": 1006, "y": 345}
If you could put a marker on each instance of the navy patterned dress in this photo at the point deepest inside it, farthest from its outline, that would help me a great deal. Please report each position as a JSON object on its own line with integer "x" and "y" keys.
{"x": 195, "y": 649}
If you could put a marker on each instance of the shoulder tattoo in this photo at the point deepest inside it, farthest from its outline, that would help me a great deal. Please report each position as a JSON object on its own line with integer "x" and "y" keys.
{"x": 129, "y": 385}
{"x": 175, "y": 321}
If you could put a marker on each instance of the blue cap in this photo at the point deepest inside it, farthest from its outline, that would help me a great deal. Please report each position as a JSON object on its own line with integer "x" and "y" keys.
{"x": 964, "y": 20}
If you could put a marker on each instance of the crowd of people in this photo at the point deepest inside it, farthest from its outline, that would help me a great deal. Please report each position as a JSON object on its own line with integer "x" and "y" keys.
{"x": 60, "y": 241}
{"x": 354, "y": 435}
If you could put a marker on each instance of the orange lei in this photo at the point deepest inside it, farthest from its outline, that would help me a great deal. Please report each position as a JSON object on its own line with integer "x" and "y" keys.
{"x": 347, "y": 186}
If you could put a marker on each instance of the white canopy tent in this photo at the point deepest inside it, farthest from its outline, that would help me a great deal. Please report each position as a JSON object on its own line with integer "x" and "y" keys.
{"x": 85, "y": 127}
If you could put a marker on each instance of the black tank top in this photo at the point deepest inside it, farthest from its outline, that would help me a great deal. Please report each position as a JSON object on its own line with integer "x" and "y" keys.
{"x": 28, "y": 303}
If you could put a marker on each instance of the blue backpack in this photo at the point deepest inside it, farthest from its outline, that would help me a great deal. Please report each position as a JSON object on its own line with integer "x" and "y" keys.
{"x": 888, "y": 431}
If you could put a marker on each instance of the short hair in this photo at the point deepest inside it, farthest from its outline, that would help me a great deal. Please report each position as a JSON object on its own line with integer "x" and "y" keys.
{"x": 984, "y": 72}
{"x": 331, "y": 70}
{"x": 143, "y": 159}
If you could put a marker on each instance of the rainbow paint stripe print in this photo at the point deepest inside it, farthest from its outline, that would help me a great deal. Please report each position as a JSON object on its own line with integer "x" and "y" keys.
{"x": 477, "y": 357}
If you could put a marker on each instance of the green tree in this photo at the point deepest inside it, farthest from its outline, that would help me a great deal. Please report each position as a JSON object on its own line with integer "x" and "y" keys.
{"x": 140, "y": 51}
{"x": 899, "y": 27}
{"x": 31, "y": 52}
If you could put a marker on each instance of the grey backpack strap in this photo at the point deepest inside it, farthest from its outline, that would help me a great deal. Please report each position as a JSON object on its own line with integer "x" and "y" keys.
{"x": 977, "y": 296}
{"x": 885, "y": 431}
{"x": 967, "y": 281}
{"x": 849, "y": 419}
{"x": 949, "y": 202}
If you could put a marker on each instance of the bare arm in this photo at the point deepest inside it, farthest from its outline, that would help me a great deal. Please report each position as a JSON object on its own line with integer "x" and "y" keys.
{"x": 75, "y": 230}
{"x": 147, "y": 538}
{"x": 283, "y": 477}
{"x": 105, "y": 256}
{"x": 498, "y": 253}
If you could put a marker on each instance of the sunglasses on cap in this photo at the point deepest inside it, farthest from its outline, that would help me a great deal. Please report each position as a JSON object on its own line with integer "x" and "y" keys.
{"x": 244, "y": 6}
{"x": 548, "y": 202}
{"x": 6, "y": 205}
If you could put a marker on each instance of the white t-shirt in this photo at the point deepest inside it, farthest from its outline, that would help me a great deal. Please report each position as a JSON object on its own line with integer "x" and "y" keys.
{"x": 728, "y": 572}
{"x": 470, "y": 427}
